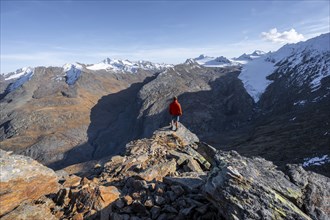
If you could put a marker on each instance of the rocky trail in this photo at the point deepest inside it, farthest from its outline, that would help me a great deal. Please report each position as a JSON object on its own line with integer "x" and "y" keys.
{"x": 171, "y": 175}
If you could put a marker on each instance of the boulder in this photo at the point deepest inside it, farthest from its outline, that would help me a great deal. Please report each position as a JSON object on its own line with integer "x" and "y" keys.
{"x": 159, "y": 171}
{"x": 197, "y": 156}
{"x": 108, "y": 194}
{"x": 21, "y": 179}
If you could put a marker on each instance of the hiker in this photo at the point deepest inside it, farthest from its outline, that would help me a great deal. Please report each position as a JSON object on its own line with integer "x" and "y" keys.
{"x": 176, "y": 112}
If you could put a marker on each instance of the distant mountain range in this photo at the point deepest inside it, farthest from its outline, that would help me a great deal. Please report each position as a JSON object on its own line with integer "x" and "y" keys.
{"x": 274, "y": 105}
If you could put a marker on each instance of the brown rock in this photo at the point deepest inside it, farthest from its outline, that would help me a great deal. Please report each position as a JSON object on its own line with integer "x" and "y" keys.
{"x": 197, "y": 157}
{"x": 115, "y": 160}
{"x": 30, "y": 211}
{"x": 23, "y": 178}
{"x": 97, "y": 166}
{"x": 108, "y": 194}
{"x": 78, "y": 216}
{"x": 128, "y": 199}
{"x": 159, "y": 171}
{"x": 72, "y": 181}
{"x": 59, "y": 214}
{"x": 136, "y": 195}
{"x": 85, "y": 181}
{"x": 62, "y": 197}
{"x": 152, "y": 186}
{"x": 181, "y": 157}
{"x": 194, "y": 166}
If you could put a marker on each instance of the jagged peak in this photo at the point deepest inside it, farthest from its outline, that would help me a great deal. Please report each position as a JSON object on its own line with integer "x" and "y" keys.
{"x": 191, "y": 61}
{"x": 258, "y": 53}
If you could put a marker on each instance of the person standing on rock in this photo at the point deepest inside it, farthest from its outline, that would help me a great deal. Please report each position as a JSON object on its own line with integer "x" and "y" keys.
{"x": 176, "y": 112}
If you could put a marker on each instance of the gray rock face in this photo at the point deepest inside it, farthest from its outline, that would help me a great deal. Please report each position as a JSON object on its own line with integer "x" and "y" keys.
{"x": 244, "y": 188}
{"x": 316, "y": 191}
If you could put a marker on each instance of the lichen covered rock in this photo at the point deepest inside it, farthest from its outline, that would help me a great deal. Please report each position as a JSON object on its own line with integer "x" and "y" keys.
{"x": 245, "y": 188}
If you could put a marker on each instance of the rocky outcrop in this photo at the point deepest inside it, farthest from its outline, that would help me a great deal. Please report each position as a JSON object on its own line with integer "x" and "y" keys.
{"x": 316, "y": 187}
{"x": 253, "y": 188}
{"x": 157, "y": 178}
{"x": 174, "y": 176}
{"x": 23, "y": 179}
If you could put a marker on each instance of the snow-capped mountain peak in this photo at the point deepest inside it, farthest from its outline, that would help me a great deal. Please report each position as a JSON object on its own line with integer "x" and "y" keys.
{"x": 19, "y": 73}
{"x": 72, "y": 72}
{"x": 20, "y": 76}
{"x": 191, "y": 62}
{"x": 258, "y": 53}
{"x": 220, "y": 61}
{"x": 305, "y": 63}
{"x": 118, "y": 65}
{"x": 251, "y": 56}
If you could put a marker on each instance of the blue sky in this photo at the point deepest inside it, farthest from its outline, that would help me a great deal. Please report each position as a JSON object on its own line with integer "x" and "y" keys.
{"x": 52, "y": 33}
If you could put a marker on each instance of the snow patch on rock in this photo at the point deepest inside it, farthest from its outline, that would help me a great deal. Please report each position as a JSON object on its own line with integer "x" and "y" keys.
{"x": 254, "y": 75}
{"x": 21, "y": 75}
{"x": 316, "y": 161}
{"x": 73, "y": 72}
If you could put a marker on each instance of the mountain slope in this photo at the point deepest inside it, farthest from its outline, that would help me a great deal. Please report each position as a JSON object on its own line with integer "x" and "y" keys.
{"x": 292, "y": 122}
{"x": 303, "y": 64}
{"x": 49, "y": 114}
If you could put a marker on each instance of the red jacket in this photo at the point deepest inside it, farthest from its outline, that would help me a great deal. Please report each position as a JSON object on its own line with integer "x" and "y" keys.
{"x": 175, "y": 108}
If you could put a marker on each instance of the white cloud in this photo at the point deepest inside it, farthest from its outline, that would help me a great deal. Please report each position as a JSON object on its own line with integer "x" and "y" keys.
{"x": 291, "y": 36}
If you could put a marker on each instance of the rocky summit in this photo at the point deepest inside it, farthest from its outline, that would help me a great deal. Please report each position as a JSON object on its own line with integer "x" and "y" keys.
{"x": 171, "y": 175}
